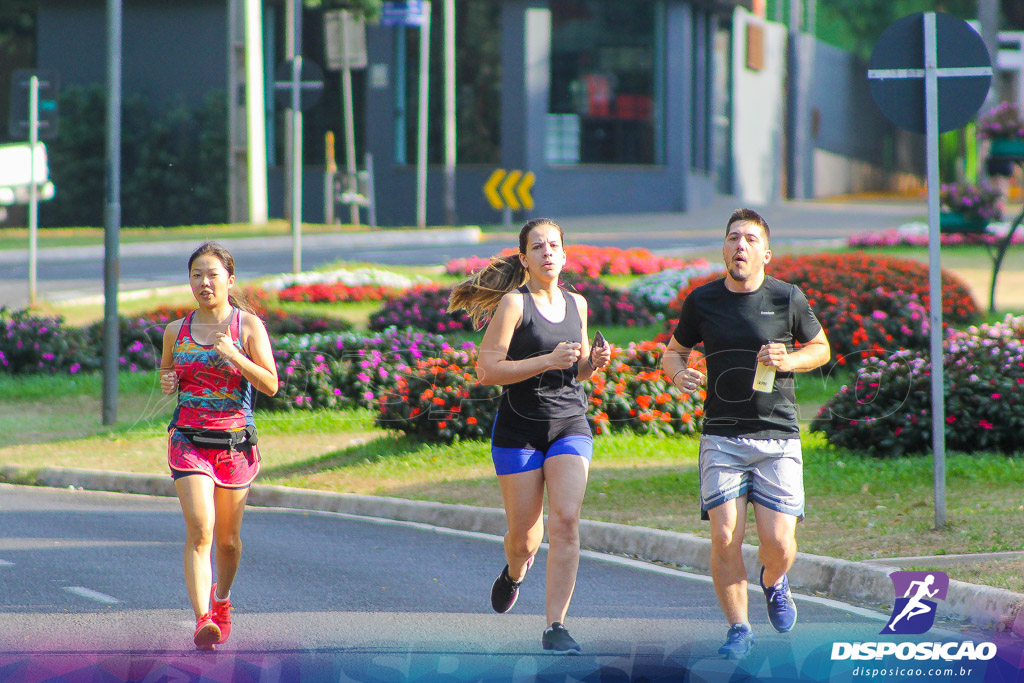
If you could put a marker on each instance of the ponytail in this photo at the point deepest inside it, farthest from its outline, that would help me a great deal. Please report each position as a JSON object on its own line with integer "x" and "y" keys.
{"x": 480, "y": 293}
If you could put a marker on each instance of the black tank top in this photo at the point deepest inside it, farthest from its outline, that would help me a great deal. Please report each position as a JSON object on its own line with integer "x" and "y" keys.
{"x": 553, "y": 393}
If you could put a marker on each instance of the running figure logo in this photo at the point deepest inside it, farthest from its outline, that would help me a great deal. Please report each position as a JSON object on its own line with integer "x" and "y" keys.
{"x": 914, "y": 613}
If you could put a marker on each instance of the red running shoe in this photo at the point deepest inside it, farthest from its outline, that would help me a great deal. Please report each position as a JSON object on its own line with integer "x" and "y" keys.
{"x": 220, "y": 612}
{"x": 207, "y": 633}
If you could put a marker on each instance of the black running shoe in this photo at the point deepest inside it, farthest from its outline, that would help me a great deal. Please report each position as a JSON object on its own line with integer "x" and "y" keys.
{"x": 505, "y": 591}
{"x": 558, "y": 640}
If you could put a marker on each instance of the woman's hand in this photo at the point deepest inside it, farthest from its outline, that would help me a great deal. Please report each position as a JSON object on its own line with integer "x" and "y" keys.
{"x": 168, "y": 382}
{"x": 564, "y": 355}
{"x": 225, "y": 347}
{"x": 601, "y": 356}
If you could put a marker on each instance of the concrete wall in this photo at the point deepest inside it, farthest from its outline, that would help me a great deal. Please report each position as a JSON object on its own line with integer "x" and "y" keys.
{"x": 758, "y": 113}
{"x": 853, "y": 147}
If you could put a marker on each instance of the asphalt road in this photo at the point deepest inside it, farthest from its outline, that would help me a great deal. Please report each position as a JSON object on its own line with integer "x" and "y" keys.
{"x": 71, "y": 273}
{"x": 93, "y": 581}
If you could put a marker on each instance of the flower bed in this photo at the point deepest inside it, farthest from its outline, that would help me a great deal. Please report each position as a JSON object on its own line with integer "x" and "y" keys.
{"x": 886, "y": 410}
{"x": 440, "y": 400}
{"x": 659, "y": 289}
{"x": 916, "y": 235}
{"x": 859, "y": 324}
{"x": 583, "y": 259}
{"x": 360, "y": 277}
{"x": 426, "y": 308}
{"x": 337, "y": 293}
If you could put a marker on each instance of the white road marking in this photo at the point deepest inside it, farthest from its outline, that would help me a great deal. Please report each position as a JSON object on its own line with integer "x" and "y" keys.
{"x": 5, "y": 563}
{"x": 91, "y": 594}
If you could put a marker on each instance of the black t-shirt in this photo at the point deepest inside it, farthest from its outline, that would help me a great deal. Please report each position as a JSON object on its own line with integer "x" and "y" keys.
{"x": 553, "y": 393}
{"x": 733, "y": 327}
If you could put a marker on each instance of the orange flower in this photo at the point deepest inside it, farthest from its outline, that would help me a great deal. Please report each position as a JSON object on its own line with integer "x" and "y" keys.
{"x": 442, "y": 425}
{"x": 643, "y": 401}
{"x": 438, "y": 401}
{"x": 471, "y": 420}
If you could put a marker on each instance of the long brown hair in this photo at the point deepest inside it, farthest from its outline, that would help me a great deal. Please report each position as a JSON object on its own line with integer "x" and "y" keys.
{"x": 228, "y": 261}
{"x": 480, "y": 293}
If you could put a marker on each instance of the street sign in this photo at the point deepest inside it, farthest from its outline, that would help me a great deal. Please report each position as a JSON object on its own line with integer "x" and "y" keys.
{"x": 896, "y": 72}
{"x": 510, "y": 189}
{"x": 311, "y": 85}
{"x": 49, "y": 92}
{"x": 929, "y": 73}
{"x": 344, "y": 40}
{"x": 401, "y": 13}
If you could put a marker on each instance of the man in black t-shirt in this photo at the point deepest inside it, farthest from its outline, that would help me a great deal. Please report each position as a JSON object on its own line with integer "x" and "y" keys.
{"x": 750, "y": 446}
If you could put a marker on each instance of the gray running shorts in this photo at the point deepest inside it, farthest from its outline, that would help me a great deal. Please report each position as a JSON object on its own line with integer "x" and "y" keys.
{"x": 768, "y": 471}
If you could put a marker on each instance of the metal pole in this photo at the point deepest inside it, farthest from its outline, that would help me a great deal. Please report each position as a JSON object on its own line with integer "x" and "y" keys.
{"x": 33, "y": 201}
{"x": 292, "y": 47}
{"x": 330, "y": 169}
{"x": 421, "y": 152}
{"x": 112, "y": 215}
{"x": 449, "y": 112}
{"x": 350, "y": 126}
{"x": 296, "y": 169}
{"x": 931, "y": 97}
{"x": 255, "y": 120}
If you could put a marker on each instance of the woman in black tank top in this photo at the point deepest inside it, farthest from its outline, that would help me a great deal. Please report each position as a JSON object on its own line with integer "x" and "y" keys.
{"x": 536, "y": 347}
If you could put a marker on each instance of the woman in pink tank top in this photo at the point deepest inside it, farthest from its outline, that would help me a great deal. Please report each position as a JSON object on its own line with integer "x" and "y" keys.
{"x": 213, "y": 359}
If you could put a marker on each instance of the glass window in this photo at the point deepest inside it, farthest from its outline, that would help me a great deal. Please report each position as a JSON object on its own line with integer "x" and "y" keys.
{"x": 477, "y": 85}
{"x": 603, "y": 106}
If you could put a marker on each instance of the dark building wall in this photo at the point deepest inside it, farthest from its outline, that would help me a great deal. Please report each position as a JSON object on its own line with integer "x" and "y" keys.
{"x": 172, "y": 57}
{"x": 560, "y": 190}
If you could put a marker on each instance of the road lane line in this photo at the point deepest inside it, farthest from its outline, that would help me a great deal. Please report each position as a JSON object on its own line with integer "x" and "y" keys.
{"x": 91, "y": 594}
{"x": 5, "y": 563}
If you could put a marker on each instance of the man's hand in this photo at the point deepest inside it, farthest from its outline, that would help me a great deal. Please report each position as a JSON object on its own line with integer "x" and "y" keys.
{"x": 689, "y": 380}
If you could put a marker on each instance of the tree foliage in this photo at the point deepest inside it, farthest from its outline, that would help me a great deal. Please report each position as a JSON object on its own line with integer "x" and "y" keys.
{"x": 865, "y": 20}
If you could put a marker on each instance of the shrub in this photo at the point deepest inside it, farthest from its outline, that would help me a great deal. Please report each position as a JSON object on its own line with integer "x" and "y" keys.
{"x": 981, "y": 202}
{"x": 440, "y": 400}
{"x": 609, "y": 306}
{"x": 422, "y": 307}
{"x": 860, "y": 324}
{"x": 634, "y": 394}
{"x": 141, "y": 342}
{"x": 41, "y": 344}
{"x": 346, "y": 370}
{"x": 886, "y": 410}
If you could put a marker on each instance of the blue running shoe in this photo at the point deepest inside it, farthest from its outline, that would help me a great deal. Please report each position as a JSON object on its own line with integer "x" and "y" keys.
{"x": 738, "y": 642}
{"x": 781, "y": 608}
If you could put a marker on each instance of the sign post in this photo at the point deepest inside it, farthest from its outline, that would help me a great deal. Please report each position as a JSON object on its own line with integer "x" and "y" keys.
{"x": 949, "y": 59}
{"x": 402, "y": 13}
{"x": 298, "y": 85}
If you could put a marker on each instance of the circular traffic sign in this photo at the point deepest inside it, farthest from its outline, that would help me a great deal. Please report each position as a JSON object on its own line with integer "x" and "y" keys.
{"x": 896, "y": 72}
{"x": 310, "y": 84}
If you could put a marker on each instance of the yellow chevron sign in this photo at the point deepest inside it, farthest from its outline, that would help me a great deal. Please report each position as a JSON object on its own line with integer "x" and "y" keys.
{"x": 510, "y": 189}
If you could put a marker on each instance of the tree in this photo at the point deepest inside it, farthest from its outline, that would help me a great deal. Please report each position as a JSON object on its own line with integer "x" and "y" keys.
{"x": 865, "y": 20}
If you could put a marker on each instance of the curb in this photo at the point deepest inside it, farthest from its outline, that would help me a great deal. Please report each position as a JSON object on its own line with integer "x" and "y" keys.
{"x": 981, "y": 606}
{"x": 466, "y": 235}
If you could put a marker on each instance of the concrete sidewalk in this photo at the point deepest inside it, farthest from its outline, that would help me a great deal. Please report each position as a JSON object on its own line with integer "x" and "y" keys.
{"x": 981, "y": 606}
